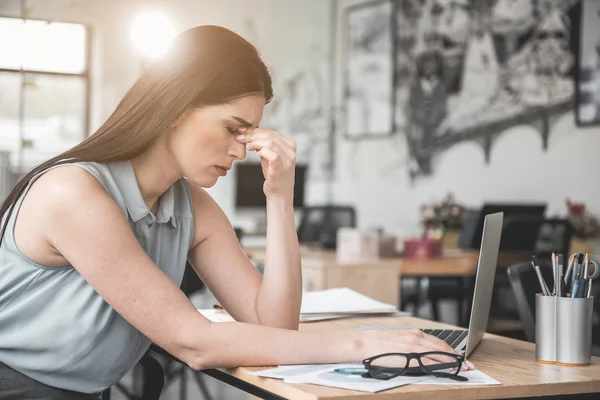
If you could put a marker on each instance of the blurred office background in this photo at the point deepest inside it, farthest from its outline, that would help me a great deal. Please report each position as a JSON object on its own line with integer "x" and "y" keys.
{"x": 412, "y": 117}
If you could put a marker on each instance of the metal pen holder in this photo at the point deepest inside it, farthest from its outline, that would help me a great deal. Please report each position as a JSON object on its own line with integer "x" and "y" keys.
{"x": 563, "y": 330}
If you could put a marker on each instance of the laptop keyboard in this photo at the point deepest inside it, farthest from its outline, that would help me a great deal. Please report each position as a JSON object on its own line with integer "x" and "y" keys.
{"x": 450, "y": 336}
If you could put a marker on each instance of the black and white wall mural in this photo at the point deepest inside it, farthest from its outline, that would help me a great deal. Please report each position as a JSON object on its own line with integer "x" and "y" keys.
{"x": 368, "y": 70}
{"x": 588, "y": 86}
{"x": 471, "y": 69}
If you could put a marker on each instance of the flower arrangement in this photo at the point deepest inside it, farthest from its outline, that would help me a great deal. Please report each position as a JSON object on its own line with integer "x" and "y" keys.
{"x": 585, "y": 224}
{"x": 446, "y": 214}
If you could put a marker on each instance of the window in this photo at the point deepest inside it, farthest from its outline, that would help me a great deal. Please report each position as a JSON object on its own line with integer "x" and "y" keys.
{"x": 44, "y": 89}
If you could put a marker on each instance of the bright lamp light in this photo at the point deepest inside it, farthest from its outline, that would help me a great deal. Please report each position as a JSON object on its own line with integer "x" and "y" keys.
{"x": 151, "y": 33}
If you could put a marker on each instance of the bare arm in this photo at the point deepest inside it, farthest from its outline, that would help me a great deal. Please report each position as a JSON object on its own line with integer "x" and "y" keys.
{"x": 273, "y": 300}
{"x": 227, "y": 272}
{"x": 280, "y": 294}
{"x": 86, "y": 227}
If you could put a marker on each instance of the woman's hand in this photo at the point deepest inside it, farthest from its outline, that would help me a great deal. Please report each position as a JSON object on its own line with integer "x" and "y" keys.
{"x": 278, "y": 158}
{"x": 408, "y": 341}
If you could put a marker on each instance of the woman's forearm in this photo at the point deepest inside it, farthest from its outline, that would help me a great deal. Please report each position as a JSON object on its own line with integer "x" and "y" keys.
{"x": 233, "y": 344}
{"x": 280, "y": 294}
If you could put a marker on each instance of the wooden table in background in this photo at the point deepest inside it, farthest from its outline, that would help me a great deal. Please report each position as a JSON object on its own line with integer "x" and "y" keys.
{"x": 509, "y": 361}
{"x": 379, "y": 279}
{"x": 455, "y": 263}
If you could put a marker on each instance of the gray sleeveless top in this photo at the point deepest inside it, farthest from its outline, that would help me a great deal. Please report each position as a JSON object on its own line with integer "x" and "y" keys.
{"x": 54, "y": 327}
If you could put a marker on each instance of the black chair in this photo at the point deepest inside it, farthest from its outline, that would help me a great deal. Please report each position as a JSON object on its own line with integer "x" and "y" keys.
{"x": 525, "y": 284}
{"x": 530, "y": 235}
{"x": 520, "y": 233}
{"x": 190, "y": 285}
{"x": 319, "y": 224}
{"x": 554, "y": 235}
{"x": 159, "y": 375}
{"x": 173, "y": 370}
{"x": 152, "y": 384}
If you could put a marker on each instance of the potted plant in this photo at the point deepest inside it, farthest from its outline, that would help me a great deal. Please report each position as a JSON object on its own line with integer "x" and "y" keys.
{"x": 445, "y": 218}
{"x": 585, "y": 225}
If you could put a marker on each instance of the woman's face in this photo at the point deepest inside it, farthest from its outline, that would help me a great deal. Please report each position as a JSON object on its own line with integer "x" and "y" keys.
{"x": 203, "y": 140}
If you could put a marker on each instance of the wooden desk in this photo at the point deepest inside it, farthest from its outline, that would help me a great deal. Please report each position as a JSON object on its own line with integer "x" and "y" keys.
{"x": 510, "y": 361}
{"x": 377, "y": 279}
{"x": 453, "y": 263}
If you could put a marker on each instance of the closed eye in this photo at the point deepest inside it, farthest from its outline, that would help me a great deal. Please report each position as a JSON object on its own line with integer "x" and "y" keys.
{"x": 233, "y": 131}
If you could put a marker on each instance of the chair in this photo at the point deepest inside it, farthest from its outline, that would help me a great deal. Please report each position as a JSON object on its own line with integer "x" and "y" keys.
{"x": 554, "y": 236}
{"x": 190, "y": 284}
{"x": 157, "y": 377}
{"x": 532, "y": 235}
{"x": 520, "y": 233}
{"x": 153, "y": 381}
{"x": 319, "y": 224}
{"x": 524, "y": 284}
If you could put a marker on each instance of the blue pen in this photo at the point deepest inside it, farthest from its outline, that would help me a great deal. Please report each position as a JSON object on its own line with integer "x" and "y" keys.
{"x": 351, "y": 371}
{"x": 574, "y": 288}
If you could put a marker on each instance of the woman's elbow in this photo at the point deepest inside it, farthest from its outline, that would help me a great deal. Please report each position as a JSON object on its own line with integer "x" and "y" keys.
{"x": 193, "y": 348}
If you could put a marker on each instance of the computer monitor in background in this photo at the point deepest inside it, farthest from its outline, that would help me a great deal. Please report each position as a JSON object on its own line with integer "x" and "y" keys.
{"x": 249, "y": 186}
{"x": 470, "y": 236}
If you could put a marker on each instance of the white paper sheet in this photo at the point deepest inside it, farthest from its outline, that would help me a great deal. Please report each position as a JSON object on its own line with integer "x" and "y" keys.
{"x": 216, "y": 315}
{"x": 343, "y": 376}
{"x": 349, "y": 376}
{"x": 219, "y": 315}
{"x": 328, "y": 316}
{"x": 476, "y": 378}
{"x": 341, "y": 301}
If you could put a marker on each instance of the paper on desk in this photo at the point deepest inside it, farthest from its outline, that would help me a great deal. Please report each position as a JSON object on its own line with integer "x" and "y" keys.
{"x": 326, "y": 375}
{"x": 328, "y": 316}
{"x": 342, "y": 301}
{"x": 216, "y": 315}
{"x": 476, "y": 378}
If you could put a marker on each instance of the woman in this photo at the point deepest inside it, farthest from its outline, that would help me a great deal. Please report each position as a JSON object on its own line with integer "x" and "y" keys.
{"x": 95, "y": 240}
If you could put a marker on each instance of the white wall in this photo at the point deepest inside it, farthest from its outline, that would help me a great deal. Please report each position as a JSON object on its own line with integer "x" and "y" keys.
{"x": 373, "y": 174}
{"x": 294, "y": 38}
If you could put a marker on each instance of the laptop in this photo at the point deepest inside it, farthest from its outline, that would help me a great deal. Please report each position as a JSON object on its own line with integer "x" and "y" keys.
{"x": 465, "y": 341}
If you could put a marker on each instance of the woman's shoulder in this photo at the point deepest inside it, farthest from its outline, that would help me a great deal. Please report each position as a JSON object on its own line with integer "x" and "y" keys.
{"x": 70, "y": 178}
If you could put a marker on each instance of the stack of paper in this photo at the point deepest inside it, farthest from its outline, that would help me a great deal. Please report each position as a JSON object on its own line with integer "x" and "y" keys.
{"x": 341, "y": 376}
{"x": 326, "y": 304}
{"x": 340, "y": 303}
{"x": 350, "y": 376}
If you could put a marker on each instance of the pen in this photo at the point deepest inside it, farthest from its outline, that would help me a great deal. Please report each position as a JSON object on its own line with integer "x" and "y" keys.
{"x": 554, "y": 274}
{"x": 559, "y": 275}
{"x": 569, "y": 269}
{"x": 574, "y": 288}
{"x": 589, "y": 289}
{"x": 350, "y": 371}
{"x": 575, "y": 274}
{"x": 536, "y": 267}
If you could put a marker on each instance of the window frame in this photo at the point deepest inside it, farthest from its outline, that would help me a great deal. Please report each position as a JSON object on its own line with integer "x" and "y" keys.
{"x": 85, "y": 75}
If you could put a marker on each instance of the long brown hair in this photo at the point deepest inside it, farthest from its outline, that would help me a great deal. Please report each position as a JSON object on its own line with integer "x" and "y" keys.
{"x": 205, "y": 65}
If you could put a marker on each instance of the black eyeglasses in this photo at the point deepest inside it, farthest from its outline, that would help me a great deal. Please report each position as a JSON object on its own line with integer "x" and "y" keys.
{"x": 435, "y": 363}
